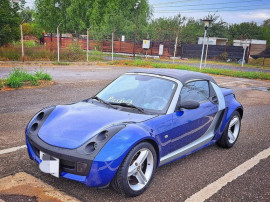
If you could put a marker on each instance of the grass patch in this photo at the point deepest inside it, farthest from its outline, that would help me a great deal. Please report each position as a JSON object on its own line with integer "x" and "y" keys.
{"x": 26, "y": 44}
{"x": 261, "y": 62}
{"x": 9, "y": 53}
{"x": 95, "y": 58}
{"x": 60, "y": 63}
{"x": 40, "y": 75}
{"x": 253, "y": 63}
{"x": 19, "y": 77}
{"x": 224, "y": 72}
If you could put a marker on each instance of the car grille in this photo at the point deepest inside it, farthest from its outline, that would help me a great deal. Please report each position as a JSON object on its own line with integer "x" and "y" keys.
{"x": 65, "y": 165}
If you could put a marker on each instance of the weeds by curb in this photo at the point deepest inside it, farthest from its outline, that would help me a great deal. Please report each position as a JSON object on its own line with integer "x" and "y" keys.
{"x": 224, "y": 72}
{"x": 19, "y": 77}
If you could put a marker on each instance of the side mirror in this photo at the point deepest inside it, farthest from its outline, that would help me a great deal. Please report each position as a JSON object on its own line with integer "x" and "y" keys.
{"x": 190, "y": 104}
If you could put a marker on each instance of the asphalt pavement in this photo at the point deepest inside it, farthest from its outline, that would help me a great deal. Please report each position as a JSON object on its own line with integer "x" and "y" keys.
{"x": 174, "y": 182}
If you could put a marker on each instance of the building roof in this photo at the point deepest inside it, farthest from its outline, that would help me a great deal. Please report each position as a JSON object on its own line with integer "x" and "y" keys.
{"x": 182, "y": 75}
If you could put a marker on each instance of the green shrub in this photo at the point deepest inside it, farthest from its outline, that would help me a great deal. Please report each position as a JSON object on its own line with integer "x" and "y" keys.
{"x": 40, "y": 75}
{"x": 18, "y": 76}
{"x": 14, "y": 82}
{"x": 76, "y": 48}
{"x": 224, "y": 56}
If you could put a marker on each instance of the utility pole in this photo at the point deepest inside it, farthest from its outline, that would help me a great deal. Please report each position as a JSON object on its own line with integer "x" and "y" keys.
{"x": 206, "y": 25}
{"x": 244, "y": 53}
{"x": 205, "y": 31}
{"x": 206, "y": 51}
{"x": 87, "y": 45}
{"x": 58, "y": 45}
{"x": 21, "y": 27}
{"x": 136, "y": 30}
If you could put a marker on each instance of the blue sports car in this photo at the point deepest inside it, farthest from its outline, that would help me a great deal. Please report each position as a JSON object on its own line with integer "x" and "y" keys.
{"x": 144, "y": 119}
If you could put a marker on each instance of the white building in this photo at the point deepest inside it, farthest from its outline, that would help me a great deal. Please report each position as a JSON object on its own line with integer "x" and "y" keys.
{"x": 213, "y": 41}
{"x": 256, "y": 47}
{"x": 249, "y": 41}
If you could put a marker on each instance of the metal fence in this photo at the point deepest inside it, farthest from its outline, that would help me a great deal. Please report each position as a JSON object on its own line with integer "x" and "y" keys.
{"x": 184, "y": 50}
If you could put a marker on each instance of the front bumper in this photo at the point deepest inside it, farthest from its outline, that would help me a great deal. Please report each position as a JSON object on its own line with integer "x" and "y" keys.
{"x": 71, "y": 161}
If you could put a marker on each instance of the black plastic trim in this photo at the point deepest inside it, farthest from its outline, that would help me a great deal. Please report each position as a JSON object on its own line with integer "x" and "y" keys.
{"x": 78, "y": 155}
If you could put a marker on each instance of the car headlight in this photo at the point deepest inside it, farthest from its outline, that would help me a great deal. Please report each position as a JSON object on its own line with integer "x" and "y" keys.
{"x": 36, "y": 122}
{"x": 94, "y": 145}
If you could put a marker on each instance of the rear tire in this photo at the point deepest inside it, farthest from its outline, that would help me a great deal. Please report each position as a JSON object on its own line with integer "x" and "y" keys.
{"x": 231, "y": 132}
{"x": 136, "y": 171}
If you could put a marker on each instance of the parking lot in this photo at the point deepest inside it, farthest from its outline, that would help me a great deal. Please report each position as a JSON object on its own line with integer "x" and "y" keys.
{"x": 186, "y": 178}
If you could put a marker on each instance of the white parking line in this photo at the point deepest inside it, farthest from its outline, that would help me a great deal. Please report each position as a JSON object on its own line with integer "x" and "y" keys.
{"x": 13, "y": 149}
{"x": 214, "y": 187}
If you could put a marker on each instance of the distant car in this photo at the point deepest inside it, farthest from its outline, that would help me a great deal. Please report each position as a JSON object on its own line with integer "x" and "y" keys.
{"x": 144, "y": 119}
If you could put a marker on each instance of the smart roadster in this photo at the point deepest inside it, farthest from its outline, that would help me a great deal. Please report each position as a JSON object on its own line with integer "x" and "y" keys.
{"x": 144, "y": 119}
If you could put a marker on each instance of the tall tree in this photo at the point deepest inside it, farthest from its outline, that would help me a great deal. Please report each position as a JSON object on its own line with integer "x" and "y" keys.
{"x": 218, "y": 28}
{"x": 50, "y": 13}
{"x": 192, "y": 30}
{"x": 166, "y": 29}
{"x": 78, "y": 14}
{"x": 266, "y": 31}
{"x": 244, "y": 30}
{"x": 27, "y": 14}
{"x": 9, "y": 22}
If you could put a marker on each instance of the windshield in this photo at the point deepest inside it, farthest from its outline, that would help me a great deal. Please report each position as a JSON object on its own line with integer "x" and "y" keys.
{"x": 150, "y": 93}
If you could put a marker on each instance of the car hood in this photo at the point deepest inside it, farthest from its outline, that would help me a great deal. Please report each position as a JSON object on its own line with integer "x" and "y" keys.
{"x": 70, "y": 126}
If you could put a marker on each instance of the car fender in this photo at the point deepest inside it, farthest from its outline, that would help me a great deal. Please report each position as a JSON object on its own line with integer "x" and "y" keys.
{"x": 108, "y": 160}
{"x": 232, "y": 105}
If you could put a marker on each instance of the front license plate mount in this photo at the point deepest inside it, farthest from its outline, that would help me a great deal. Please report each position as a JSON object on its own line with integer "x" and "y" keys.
{"x": 49, "y": 164}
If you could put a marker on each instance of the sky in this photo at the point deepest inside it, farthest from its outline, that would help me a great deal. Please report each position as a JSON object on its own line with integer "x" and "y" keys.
{"x": 231, "y": 11}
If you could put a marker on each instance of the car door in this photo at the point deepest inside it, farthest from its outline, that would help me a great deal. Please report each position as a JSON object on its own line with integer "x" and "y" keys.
{"x": 191, "y": 124}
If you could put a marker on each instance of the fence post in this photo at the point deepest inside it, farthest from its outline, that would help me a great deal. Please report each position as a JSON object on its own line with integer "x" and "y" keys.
{"x": 112, "y": 44}
{"x": 58, "y": 48}
{"x": 175, "y": 48}
{"x": 21, "y": 26}
{"x": 87, "y": 45}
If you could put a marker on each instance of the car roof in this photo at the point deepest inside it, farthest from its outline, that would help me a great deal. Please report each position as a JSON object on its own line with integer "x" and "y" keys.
{"x": 182, "y": 75}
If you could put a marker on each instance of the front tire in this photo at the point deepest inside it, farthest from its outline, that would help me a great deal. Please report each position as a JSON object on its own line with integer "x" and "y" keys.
{"x": 136, "y": 171}
{"x": 231, "y": 132}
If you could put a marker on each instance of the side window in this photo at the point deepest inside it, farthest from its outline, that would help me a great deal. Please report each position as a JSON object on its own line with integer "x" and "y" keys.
{"x": 196, "y": 91}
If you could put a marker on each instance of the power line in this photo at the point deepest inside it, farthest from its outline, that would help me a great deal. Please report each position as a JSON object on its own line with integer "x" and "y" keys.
{"x": 175, "y": 2}
{"x": 235, "y": 2}
{"x": 198, "y": 9}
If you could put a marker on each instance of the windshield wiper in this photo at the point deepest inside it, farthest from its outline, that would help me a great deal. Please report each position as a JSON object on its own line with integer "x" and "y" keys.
{"x": 123, "y": 104}
{"x": 102, "y": 101}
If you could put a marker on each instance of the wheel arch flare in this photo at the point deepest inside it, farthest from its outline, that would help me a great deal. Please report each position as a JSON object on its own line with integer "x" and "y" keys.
{"x": 108, "y": 160}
